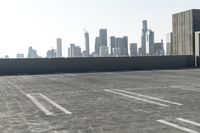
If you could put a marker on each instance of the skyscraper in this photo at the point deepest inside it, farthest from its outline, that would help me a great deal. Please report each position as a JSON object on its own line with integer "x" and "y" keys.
{"x": 59, "y": 48}
{"x": 184, "y": 25}
{"x": 133, "y": 49}
{"x": 112, "y": 44}
{"x": 122, "y": 43}
{"x": 97, "y": 45}
{"x": 103, "y": 36}
{"x": 119, "y": 44}
{"x": 168, "y": 43}
{"x": 149, "y": 43}
{"x": 87, "y": 44}
{"x": 125, "y": 46}
{"x": 143, "y": 38}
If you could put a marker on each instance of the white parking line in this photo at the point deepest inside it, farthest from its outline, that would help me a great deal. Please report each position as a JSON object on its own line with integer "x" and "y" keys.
{"x": 55, "y": 104}
{"x": 188, "y": 121}
{"x": 177, "y": 126}
{"x": 184, "y": 88}
{"x": 137, "y": 98}
{"x": 154, "y": 98}
{"x": 47, "y": 112}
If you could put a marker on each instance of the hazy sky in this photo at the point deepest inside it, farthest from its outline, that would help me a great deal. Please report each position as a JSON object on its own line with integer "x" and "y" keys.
{"x": 38, "y": 23}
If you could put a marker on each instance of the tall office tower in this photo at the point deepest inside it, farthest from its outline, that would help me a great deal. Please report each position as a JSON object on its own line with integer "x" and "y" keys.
{"x": 103, "y": 51}
{"x": 122, "y": 43}
{"x": 20, "y": 56}
{"x": 149, "y": 43}
{"x": 124, "y": 49}
{"x": 112, "y": 44}
{"x": 32, "y": 53}
{"x": 119, "y": 44}
{"x": 184, "y": 25}
{"x": 51, "y": 53}
{"x": 87, "y": 43}
{"x": 159, "y": 49}
{"x": 59, "y": 48}
{"x": 97, "y": 45}
{"x": 143, "y": 38}
{"x": 133, "y": 49}
{"x": 168, "y": 43}
{"x": 71, "y": 50}
{"x": 103, "y": 36}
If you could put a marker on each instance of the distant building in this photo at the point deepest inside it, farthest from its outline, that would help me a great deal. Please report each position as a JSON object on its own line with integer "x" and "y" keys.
{"x": 59, "y": 48}
{"x": 104, "y": 51}
{"x": 116, "y": 52}
{"x": 184, "y": 25}
{"x": 143, "y": 37}
{"x": 87, "y": 44}
{"x": 159, "y": 49}
{"x": 112, "y": 44}
{"x": 140, "y": 52}
{"x": 51, "y": 53}
{"x": 74, "y": 51}
{"x": 122, "y": 44}
{"x": 32, "y": 53}
{"x": 20, "y": 55}
{"x": 6, "y": 56}
{"x": 119, "y": 44}
{"x": 133, "y": 49}
{"x": 124, "y": 47}
{"x": 169, "y": 43}
{"x": 103, "y": 37}
{"x": 97, "y": 45}
{"x": 149, "y": 43}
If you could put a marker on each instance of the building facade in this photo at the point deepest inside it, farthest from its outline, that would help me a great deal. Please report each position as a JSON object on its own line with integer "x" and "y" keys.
{"x": 184, "y": 25}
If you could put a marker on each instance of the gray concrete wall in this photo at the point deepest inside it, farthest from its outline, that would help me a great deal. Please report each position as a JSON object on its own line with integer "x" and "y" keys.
{"x": 66, "y": 65}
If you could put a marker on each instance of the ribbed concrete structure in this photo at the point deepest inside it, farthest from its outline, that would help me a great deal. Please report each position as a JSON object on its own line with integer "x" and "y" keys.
{"x": 184, "y": 25}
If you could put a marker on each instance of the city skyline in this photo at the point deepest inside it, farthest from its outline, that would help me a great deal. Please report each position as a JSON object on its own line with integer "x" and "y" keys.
{"x": 38, "y": 23}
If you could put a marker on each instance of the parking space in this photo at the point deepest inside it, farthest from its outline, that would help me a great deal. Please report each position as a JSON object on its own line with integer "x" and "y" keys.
{"x": 120, "y": 102}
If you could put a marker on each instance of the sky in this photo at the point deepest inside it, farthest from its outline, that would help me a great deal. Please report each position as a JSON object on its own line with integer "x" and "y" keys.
{"x": 38, "y": 23}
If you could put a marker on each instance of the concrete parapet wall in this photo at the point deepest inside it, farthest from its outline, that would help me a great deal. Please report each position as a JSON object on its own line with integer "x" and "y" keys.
{"x": 69, "y": 65}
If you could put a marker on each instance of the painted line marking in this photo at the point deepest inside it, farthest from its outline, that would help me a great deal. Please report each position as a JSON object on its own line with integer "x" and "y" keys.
{"x": 55, "y": 104}
{"x": 177, "y": 126}
{"x": 137, "y": 98}
{"x": 154, "y": 98}
{"x": 39, "y": 105}
{"x": 188, "y": 121}
{"x": 184, "y": 88}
